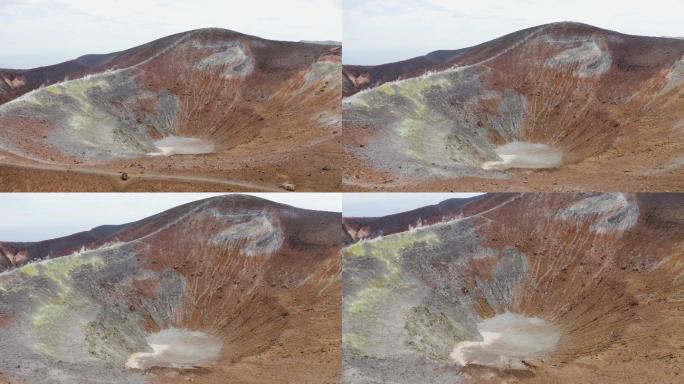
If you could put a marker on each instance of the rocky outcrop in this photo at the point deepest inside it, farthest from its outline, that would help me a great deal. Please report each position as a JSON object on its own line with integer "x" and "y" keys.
{"x": 254, "y": 282}
{"x": 522, "y": 288}
{"x": 245, "y": 101}
{"x": 564, "y": 96}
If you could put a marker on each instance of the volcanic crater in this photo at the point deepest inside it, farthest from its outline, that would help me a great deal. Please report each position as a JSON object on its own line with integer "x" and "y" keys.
{"x": 555, "y": 107}
{"x": 517, "y": 288}
{"x": 220, "y": 108}
{"x": 229, "y": 289}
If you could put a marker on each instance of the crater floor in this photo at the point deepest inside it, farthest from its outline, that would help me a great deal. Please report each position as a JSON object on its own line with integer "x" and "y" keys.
{"x": 517, "y": 288}
{"x": 557, "y": 107}
{"x": 228, "y": 289}
{"x": 222, "y": 110}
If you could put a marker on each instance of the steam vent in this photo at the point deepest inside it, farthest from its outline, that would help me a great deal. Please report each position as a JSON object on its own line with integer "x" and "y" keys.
{"x": 555, "y": 107}
{"x": 232, "y": 289}
{"x": 517, "y": 288}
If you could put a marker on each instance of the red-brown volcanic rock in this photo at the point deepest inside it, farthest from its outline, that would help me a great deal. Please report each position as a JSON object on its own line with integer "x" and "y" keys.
{"x": 605, "y": 270}
{"x": 16, "y": 82}
{"x": 563, "y": 106}
{"x": 261, "y": 278}
{"x": 13, "y": 254}
{"x": 359, "y": 228}
{"x": 211, "y": 107}
{"x": 359, "y": 77}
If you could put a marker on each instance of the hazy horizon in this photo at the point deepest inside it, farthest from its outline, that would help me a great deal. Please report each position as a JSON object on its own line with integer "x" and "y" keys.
{"x": 43, "y": 216}
{"x": 36, "y": 33}
{"x": 379, "y": 32}
{"x": 373, "y": 204}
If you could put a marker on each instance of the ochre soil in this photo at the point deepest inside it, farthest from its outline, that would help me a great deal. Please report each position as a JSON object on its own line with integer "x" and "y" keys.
{"x": 277, "y": 124}
{"x": 278, "y": 313}
{"x": 568, "y": 180}
{"x": 615, "y": 294}
{"x": 611, "y": 171}
{"x": 308, "y": 169}
{"x": 618, "y": 131}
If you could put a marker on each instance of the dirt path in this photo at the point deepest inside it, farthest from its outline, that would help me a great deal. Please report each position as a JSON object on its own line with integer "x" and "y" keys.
{"x": 69, "y": 178}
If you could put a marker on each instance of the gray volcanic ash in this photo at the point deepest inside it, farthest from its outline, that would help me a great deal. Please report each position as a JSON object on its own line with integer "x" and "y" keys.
{"x": 563, "y": 106}
{"x": 229, "y": 289}
{"x": 206, "y": 107}
{"x": 519, "y": 288}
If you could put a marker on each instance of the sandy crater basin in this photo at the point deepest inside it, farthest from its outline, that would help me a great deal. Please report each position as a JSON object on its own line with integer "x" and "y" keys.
{"x": 508, "y": 340}
{"x": 177, "y": 348}
{"x": 181, "y": 145}
{"x": 521, "y": 154}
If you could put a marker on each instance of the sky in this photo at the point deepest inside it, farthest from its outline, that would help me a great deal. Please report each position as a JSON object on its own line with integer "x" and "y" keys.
{"x": 36, "y": 33}
{"x": 381, "y": 204}
{"x": 42, "y": 216}
{"x": 381, "y": 31}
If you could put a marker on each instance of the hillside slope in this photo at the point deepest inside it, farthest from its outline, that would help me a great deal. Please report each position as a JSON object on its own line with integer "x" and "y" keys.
{"x": 594, "y": 279}
{"x": 207, "y": 104}
{"x": 556, "y": 107}
{"x": 260, "y": 280}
